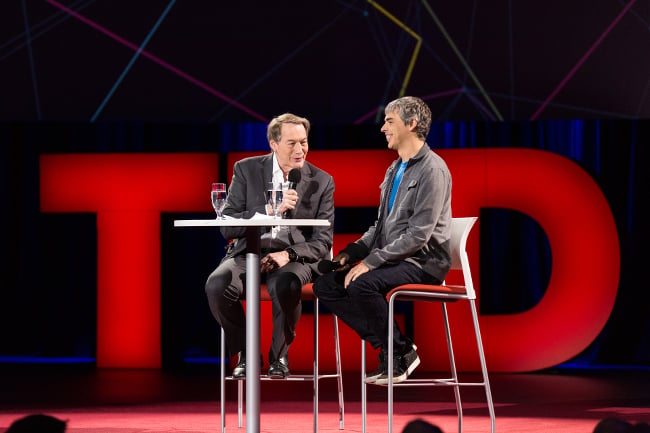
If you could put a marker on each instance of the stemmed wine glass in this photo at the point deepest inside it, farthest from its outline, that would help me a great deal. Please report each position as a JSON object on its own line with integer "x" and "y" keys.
{"x": 219, "y": 196}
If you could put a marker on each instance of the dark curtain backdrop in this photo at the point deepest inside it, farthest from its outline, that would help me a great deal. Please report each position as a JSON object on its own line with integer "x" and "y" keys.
{"x": 48, "y": 270}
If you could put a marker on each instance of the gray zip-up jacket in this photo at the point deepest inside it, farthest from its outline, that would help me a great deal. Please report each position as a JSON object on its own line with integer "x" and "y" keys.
{"x": 418, "y": 227}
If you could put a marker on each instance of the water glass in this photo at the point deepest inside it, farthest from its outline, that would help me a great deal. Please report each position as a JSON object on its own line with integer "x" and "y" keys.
{"x": 219, "y": 196}
{"x": 274, "y": 199}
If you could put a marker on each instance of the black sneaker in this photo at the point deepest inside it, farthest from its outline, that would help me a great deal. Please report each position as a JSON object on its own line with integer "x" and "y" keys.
{"x": 381, "y": 369}
{"x": 403, "y": 365}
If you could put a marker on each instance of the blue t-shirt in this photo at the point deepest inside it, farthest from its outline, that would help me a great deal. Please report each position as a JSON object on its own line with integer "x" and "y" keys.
{"x": 396, "y": 182}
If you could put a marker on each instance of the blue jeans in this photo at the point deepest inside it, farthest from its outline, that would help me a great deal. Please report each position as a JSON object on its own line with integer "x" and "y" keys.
{"x": 363, "y": 306}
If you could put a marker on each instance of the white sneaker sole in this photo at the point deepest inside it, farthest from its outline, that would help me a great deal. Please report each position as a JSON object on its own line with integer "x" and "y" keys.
{"x": 402, "y": 377}
{"x": 372, "y": 379}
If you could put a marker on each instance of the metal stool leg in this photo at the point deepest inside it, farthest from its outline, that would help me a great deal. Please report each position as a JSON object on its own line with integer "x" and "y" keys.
{"x": 222, "y": 381}
{"x": 339, "y": 372}
{"x": 452, "y": 366}
{"x": 481, "y": 354}
{"x": 363, "y": 387}
{"x": 316, "y": 377}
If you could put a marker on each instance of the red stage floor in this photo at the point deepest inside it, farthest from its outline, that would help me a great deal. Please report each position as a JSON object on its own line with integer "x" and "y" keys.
{"x": 130, "y": 401}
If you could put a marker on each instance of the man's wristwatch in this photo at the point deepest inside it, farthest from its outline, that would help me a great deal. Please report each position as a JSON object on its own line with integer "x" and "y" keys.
{"x": 293, "y": 256}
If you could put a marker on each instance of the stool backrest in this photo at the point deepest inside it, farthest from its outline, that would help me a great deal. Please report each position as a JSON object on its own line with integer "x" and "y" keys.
{"x": 460, "y": 229}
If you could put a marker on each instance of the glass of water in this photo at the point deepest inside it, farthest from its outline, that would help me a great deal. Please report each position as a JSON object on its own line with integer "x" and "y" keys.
{"x": 274, "y": 199}
{"x": 219, "y": 196}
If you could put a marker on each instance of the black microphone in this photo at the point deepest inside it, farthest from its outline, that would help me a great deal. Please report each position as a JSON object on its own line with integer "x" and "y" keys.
{"x": 325, "y": 266}
{"x": 293, "y": 177}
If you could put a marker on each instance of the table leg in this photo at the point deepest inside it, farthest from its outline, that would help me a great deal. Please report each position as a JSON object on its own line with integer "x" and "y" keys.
{"x": 252, "y": 343}
{"x": 253, "y": 330}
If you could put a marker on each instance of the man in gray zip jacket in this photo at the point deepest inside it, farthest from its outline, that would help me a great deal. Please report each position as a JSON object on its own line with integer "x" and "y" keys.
{"x": 409, "y": 242}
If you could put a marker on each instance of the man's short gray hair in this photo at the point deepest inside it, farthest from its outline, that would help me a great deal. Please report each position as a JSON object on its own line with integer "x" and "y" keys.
{"x": 412, "y": 108}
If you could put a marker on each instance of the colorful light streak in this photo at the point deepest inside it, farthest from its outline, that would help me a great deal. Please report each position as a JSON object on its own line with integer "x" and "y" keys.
{"x": 159, "y": 61}
{"x": 582, "y": 60}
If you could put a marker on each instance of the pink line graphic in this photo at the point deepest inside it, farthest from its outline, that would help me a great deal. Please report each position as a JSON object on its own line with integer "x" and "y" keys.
{"x": 159, "y": 61}
{"x": 582, "y": 60}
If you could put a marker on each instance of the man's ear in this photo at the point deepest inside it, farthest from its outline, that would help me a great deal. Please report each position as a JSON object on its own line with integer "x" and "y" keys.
{"x": 274, "y": 145}
{"x": 412, "y": 124}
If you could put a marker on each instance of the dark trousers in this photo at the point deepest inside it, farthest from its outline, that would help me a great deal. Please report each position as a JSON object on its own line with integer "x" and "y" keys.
{"x": 225, "y": 289}
{"x": 363, "y": 306}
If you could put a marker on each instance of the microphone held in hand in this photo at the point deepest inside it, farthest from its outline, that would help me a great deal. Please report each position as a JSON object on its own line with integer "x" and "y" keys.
{"x": 325, "y": 266}
{"x": 294, "y": 177}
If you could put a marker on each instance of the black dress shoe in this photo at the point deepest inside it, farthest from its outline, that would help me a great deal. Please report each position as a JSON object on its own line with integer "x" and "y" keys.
{"x": 279, "y": 369}
{"x": 239, "y": 372}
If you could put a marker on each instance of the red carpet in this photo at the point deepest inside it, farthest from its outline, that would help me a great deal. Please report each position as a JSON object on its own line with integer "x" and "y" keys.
{"x": 137, "y": 401}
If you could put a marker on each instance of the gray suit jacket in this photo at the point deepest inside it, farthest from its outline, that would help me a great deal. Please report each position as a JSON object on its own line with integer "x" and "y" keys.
{"x": 315, "y": 200}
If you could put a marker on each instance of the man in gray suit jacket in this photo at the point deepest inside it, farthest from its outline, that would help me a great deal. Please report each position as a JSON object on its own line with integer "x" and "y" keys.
{"x": 289, "y": 255}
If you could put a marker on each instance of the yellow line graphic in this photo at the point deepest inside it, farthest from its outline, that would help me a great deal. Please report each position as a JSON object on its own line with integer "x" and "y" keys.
{"x": 462, "y": 59}
{"x": 416, "y": 51}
